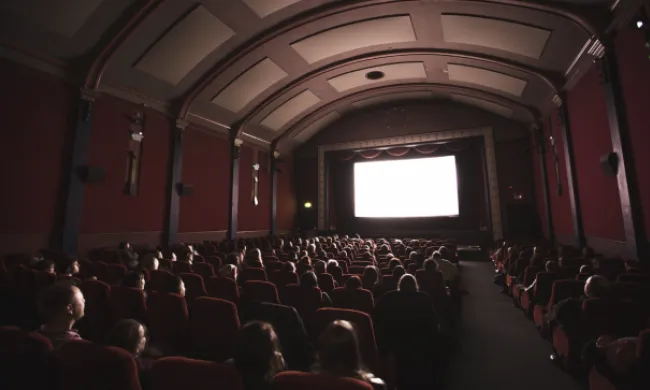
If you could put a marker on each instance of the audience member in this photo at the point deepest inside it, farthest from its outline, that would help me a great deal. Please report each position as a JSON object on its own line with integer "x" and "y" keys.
{"x": 134, "y": 279}
{"x": 448, "y": 270}
{"x": 131, "y": 336}
{"x": 565, "y": 312}
{"x": 353, "y": 283}
{"x": 228, "y": 271}
{"x": 257, "y": 355}
{"x": 61, "y": 305}
{"x": 309, "y": 280}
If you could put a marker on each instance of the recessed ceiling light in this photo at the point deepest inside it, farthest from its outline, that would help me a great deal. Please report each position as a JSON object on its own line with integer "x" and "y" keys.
{"x": 375, "y": 75}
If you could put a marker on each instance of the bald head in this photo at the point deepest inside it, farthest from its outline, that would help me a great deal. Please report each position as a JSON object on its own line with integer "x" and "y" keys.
{"x": 596, "y": 286}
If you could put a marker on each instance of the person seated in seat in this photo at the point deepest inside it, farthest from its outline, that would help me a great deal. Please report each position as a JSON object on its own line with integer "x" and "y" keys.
{"x": 68, "y": 268}
{"x": 253, "y": 259}
{"x": 564, "y": 312}
{"x": 550, "y": 266}
{"x": 353, "y": 283}
{"x": 320, "y": 267}
{"x": 61, "y": 305}
{"x": 134, "y": 279}
{"x": 257, "y": 355}
{"x": 228, "y": 271}
{"x": 176, "y": 286}
{"x": 370, "y": 279}
{"x": 289, "y": 267}
{"x": 131, "y": 336}
{"x": 448, "y": 269}
{"x": 46, "y": 266}
{"x": 398, "y": 272}
{"x": 304, "y": 265}
{"x": 150, "y": 262}
{"x": 338, "y": 355}
{"x": 394, "y": 262}
{"x": 309, "y": 280}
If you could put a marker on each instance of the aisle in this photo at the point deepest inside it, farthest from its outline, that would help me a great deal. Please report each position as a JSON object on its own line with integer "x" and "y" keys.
{"x": 501, "y": 348}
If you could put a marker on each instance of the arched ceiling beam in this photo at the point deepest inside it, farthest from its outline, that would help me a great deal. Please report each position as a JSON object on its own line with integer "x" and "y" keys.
{"x": 185, "y": 102}
{"x": 545, "y": 78}
{"x": 388, "y": 89}
{"x": 116, "y": 35}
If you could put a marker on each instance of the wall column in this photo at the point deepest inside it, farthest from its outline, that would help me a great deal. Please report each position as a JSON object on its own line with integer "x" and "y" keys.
{"x": 541, "y": 150}
{"x": 569, "y": 161}
{"x": 235, "y": 148}
{"x": 628, "y": 189}
{"x": 274, "y": 193}
{"x": 174, "y": 178}
{"x": 68, "y": 235}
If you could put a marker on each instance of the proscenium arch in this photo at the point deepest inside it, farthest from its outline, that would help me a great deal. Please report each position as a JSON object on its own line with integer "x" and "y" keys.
{"x": 553, "y": 86}
{"x": 340, "y": 6}
{"x": 406, "y": 87}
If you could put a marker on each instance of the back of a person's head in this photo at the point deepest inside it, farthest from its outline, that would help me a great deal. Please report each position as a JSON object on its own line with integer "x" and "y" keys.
{"x": 585, "y": 269}
{"x": 436, "y": 255}
{"x": 46, "y": 266}
{"x": 289, "y": 266}
{"x": 308, "y": 279}
{"x": 430, "y": 265}
{"x": 353, "y": 282}
{"x": 257, "y": 350}
{"x": 320, "y": 267}
{"x": 67, "y": 266}
{"x": 134, "y": 279}
{"x": 338, "y": 350}
{"x": 552, "y": 266}
{"x": 129, "y": 335}
{"x": 175, "y": 285}
{"x": 370, "y": 276}
{"x": 596, "y": 286}
{"x": 150, "y": 261}
{"x": 394, "y": 263}
{"x": 408, "y": 283}
{"x": 228, "y": 271}
{"x": 232, "y": 258}
{"x": 398, "y": 271}
{"x": 57, "y": 299}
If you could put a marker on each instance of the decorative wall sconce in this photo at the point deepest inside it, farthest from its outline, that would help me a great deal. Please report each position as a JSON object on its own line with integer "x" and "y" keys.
{"x": 134, "y": 153}
{"x": 256, "y": 184}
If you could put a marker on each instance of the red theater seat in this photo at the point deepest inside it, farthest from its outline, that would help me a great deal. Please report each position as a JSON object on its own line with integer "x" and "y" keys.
{"x": 128, "y": 302}
{"x": 168, "y": 320}
{"x": 214, "y": 325}
{"x": 95, "y": 323}
{"x": 179, "y": 373}
{"x": 223, "y": 288}
{"x": 206, "y": 270}
{"x": 282, "y": 278}
{"x": 252, "y": 274}
{"x": 562, "y": 289}
{"x": 194, "y": 286}
{"x": 22, "y": 353}
{"x": 84, "y": 365}
{"x": 160, "y": 280}
{"x": 115, "y": 273}
{"x": 357, "y": 299}
{"x": 294, "y": 380}
{"x": 261, "y": 291}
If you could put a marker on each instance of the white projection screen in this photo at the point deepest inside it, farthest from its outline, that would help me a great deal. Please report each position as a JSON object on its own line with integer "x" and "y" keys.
{"x": 422, "y": 187}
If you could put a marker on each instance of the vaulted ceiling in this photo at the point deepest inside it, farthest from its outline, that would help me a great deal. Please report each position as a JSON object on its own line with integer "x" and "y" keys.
{"x": 280, "y": 70}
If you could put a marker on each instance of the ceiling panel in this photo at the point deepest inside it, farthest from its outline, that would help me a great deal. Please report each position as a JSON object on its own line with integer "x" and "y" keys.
{"x": 487, "y": 78}
{"x": 392, "y": 72}
{"x": 392, "y": 97}
{"x": 174, "y": 55}
{"x": 483, "y": 104}
{"x": 249, "y": 85}
{"x": 497, "y": 34}
{"x": 317, "y": 126}
{"x": 290, "y": 110}
{"x": 372, "y": 32}
{"x": 64, "y": 17}
{"x": 264, "y": 8}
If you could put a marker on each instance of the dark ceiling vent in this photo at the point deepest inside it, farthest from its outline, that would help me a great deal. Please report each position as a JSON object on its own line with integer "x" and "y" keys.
{"x": 375, "y": 75}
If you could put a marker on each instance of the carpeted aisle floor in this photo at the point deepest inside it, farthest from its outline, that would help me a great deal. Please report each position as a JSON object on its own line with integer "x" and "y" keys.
{"x": 501, "y": 348}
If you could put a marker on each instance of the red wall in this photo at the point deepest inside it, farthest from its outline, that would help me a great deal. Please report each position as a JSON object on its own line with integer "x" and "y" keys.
{"x": 634, "y": 67}
{"x": 106, "y": 208}
{"x": 560, "y": 204}
{"x": 601, "y": 211}
{"x": 206, "y": 167}
{"x": 253, "y": 217}
{"x": 34, "y": 122}
{"x": 287, "y": 204}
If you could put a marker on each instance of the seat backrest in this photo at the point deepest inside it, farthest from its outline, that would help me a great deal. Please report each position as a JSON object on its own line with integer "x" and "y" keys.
{"x": 261, "y": 291}
{"x": 168, "y": 320}
{"x": 634, "y": 277}
{"x": 206, "y": 270}
{"x": 159, "y": 280}
{"x": 23, "y": 352}
{"x": 115, "y": 273}
{"x": 194, "y": 286}
{"x": 214, "y": 325}
{"x": 223, "y": 288}
{"x": 563, "y": 289}
{"x": 356, "y": 269}
{"x": 128, "y": 302}
{"x": 357, "y": 299}
{"x": 84, "y": 365}
{"x": 630, "y": 290}
{"x": 544, "y": 287}
{"x": 530, "y": 273}
{"x": 95, "y": 323}
{"x": 176, "y": 373}
{"x": 598, "y": 316}
{"x": 389, "y": 282}
{"x": 294, "y": 380}
{"x": 363, "y": 325}
{"x": 305, "y": 300}
{"x": 252, "y": 274}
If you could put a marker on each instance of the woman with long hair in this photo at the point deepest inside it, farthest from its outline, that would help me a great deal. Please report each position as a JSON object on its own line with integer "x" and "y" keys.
{"x": 258, "y": 356}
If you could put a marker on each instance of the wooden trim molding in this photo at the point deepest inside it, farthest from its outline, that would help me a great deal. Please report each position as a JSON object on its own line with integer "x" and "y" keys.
{"x": 490, "y": 158}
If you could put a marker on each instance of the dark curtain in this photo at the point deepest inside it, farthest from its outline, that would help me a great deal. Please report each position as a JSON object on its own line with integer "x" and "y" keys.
{"x": 471, "y": 190}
